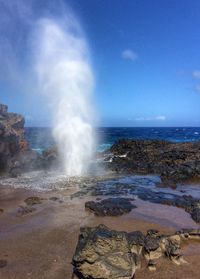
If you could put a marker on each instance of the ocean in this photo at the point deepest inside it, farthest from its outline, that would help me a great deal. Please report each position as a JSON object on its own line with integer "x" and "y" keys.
{"x": 41, "y": 138}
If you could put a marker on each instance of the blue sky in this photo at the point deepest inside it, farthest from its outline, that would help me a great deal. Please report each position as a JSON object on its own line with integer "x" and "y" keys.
{"x": 146, "y": 58}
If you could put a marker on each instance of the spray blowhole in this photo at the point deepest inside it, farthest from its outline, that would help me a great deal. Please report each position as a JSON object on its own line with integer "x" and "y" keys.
{"x": 66, "y": 77}
{"x": 46, "y": 50}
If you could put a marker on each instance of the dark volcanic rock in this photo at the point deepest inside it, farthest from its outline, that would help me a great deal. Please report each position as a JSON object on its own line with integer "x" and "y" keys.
{"x": 33, "y": 200}
{"x": 187, "y": 202}
{"x": 24, "y": 210}
{"x": 102, "y": 253}
{"x": 172, "y": 248}
{"x": 110, "y": 207}
{"x": 152, "y": 241}
{"x": 24, "y": 161}
{"x": 175, "y": 162}
{"x": 195, "y": 214}
{"x": 54, "y": 199}
{"x": 12, "y": 139}
{"x": 16, "y": 156}
{"x": 136, "y": 238}
{"x": 3, "y": 263}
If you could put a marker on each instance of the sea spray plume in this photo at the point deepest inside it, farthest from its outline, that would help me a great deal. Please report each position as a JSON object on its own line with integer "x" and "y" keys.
{"x": 62, "y": 65}
{"x": 65, "y": 75}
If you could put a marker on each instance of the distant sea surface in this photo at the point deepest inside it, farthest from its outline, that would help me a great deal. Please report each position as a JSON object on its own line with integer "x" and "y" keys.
{"x": 41, "y": 138}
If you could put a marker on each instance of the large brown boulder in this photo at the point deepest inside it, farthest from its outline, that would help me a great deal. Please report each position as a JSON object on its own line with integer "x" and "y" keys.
{"x": 103, "y": 253}
{"x": 15, "y": 155}
{"x": 12, "y": 138}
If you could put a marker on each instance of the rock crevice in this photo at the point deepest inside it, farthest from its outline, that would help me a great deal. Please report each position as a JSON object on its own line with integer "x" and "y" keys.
{"x": 102, "y": 253}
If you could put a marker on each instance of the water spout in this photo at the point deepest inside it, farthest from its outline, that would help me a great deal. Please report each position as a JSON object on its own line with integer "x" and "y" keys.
{"x": 65, "y": 74}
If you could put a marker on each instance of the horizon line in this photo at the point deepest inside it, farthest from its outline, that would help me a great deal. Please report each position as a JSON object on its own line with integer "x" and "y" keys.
{"x": 151, "y": 127}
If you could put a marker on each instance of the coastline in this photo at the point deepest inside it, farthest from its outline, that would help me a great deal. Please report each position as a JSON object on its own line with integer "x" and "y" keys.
{"x": 41, "y": 244}
{"x": 136, "y": 186}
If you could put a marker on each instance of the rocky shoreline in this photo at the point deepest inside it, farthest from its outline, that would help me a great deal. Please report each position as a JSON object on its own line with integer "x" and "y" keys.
{"x": 174, "y": 162}
{"x": 16, "y": 156}
{"x": 12, "y": 139}
{"x": 109, "y": 254}
{"x": 120, "y": 213}
{"x": 52, "y": 220}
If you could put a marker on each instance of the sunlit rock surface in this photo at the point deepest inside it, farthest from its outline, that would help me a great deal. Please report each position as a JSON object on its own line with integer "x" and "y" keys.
{"x": 104, "y": 253}
{"x": 175, "y": 162}
{"x": 12, "y": 138}
{"x": 15, "y": 155}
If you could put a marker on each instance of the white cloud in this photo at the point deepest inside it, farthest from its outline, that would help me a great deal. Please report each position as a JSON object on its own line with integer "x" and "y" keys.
{"x": 142, "y": 119}
{"x": 196, "y": 74}
{"x": 157, "y": 118}
{"x": 161, "y": 118}
{"x": 129, "y": 54}
{"x": 197, "y": 87}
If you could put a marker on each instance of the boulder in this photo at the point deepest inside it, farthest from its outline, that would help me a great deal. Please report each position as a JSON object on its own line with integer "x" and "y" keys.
{"x": 110, "y": 207}
{"x": 15, "y": 155}
{"x": 33, "y": 200}
{"x": 12, "y": 136}
{"x": 103, "y": 253}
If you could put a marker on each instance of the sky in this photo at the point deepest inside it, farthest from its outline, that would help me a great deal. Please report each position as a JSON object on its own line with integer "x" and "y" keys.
{"x": 146, "y": 60}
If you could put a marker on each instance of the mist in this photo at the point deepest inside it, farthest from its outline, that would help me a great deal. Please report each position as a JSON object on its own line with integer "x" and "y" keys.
{"x": 48, "y": 55}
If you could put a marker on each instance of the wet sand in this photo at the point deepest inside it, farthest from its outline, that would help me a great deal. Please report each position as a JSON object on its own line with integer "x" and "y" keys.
{"x": 41, "y": 244}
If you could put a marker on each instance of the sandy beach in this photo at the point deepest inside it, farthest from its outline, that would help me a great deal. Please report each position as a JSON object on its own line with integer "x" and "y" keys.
{"x": 41, "y": 244}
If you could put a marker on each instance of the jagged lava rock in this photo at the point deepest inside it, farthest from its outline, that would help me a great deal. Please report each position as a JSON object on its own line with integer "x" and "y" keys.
{"x": 110, "y": 207}
{"x": 15, "y": 154}
{"x": 12, "y": 138}
{"x": 103, "y": 253}
{"x": 175, "y": 162}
